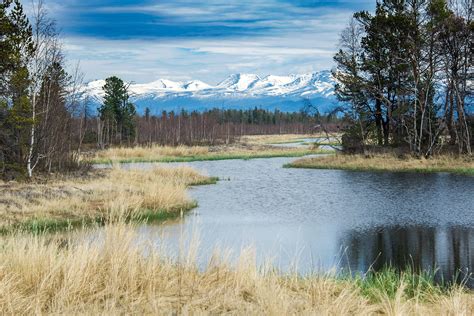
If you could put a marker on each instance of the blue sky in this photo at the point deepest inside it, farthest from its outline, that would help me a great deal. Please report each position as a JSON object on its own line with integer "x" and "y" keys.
{"x": 207, "y": 40}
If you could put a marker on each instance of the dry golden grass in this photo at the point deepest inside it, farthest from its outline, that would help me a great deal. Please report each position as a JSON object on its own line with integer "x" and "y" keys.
{"x": 387, "y": 162}
{"x": 106, "y": 194}
{"x": 153, "y": 151}
{"x": 158, "y": 153}
{"x": 43, "y": 276}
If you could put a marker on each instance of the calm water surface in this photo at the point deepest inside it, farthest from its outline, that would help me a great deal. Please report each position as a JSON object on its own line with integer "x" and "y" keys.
{"x": 319, "y": 220}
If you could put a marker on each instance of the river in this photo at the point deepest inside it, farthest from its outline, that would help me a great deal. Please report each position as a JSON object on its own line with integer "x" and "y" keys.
{"x": 328, "y": 220}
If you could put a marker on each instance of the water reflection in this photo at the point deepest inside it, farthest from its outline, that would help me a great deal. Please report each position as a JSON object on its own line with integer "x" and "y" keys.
{"x": 443, "y": 250}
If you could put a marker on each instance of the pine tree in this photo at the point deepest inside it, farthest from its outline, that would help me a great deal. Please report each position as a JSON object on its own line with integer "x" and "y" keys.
{"x": 16, "y": 48}
{"x": 117, "y": 113}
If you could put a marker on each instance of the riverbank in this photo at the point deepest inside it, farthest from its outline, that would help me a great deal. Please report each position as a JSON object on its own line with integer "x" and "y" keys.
{"x": 157, "y": 153}
{"x": 97, "y": 198}
{"x": 121, "y": 275}
{"x": 389, "y": 163}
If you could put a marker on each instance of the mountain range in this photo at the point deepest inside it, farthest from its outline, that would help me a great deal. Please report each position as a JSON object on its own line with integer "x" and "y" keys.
{"x": 238, "y": 91}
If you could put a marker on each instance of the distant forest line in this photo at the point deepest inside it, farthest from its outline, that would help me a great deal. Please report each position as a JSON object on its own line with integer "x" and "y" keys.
{"x": 211, "y": 127}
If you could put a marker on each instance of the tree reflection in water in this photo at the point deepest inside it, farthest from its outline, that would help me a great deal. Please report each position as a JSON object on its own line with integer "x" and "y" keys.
{"x": 448, "y": 251}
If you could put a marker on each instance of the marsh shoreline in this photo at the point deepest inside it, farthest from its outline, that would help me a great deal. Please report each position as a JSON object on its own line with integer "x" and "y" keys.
{"x": 388, "y": 163}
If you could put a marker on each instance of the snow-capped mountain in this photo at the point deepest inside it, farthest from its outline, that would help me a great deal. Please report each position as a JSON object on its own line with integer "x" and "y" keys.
{"x": 238, "y": 82}
{"x": 241, "y": 91}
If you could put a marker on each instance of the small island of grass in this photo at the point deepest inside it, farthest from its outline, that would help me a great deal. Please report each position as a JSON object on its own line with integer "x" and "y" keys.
{"x": 389, "y": 163}
{"x": 97, "y": 197}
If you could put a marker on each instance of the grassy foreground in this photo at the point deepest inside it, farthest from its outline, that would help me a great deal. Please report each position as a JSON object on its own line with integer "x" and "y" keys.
{"x": 100, "y": 197}
{"x": 40, "y": 275}
{"x": 387, "y": 162}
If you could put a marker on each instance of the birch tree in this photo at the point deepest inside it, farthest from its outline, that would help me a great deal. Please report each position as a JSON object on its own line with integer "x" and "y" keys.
{"x": 46, "y": 53}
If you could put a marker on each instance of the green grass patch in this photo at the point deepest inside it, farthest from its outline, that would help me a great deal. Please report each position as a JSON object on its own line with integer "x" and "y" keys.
{"x": 152, "y": 216}
{"x": 229, "y": 156}
{"x": 208, "y": 181}
{"x": 387, "y": 283}
{"x": 46, "y": 225}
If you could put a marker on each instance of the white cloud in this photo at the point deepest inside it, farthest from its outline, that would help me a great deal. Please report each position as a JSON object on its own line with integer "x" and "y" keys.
{"x": 205, "y": 59}
{"x": 301, "y": 40}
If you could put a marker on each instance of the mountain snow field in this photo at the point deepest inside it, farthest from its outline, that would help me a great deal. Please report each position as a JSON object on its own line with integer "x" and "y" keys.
{"x": 240, "y": 91}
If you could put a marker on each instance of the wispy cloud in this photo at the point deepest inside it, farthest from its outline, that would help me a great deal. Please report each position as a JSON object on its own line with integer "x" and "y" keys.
{"x": 207, "y": 40}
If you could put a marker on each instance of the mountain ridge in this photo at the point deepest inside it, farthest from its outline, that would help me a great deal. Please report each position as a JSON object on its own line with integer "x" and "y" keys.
{"x": 287, "y": 93}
